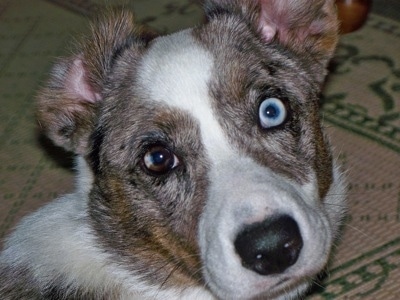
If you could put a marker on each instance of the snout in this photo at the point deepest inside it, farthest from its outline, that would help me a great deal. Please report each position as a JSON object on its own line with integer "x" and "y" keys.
{"x": 260, "y": 234}
{"x": 271, "y": 246}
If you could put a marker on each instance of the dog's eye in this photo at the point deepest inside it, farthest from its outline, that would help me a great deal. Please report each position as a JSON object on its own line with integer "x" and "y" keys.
{"x": 272, "y": 113}
{"x": 159, "y": 160}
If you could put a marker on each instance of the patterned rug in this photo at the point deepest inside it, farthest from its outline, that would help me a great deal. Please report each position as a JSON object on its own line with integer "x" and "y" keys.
{"x": 361, "y": 109}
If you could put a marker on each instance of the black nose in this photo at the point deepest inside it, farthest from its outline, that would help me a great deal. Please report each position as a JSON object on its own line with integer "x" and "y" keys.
{"x": 271, "y": 246}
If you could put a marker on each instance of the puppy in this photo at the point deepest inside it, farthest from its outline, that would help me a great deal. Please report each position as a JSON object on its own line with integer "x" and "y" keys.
{"x": 203, "y": 170}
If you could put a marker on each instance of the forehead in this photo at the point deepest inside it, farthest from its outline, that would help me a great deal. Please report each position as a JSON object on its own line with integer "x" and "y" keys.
{"x": 216, "y": 79}
{"x": 177, "y": 71}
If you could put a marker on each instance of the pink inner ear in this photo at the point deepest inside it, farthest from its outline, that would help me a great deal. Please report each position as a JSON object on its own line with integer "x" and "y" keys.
{"x": 77, "y": 84}
{"x": 268, "y": 21}
{"x": 268, "y": 31}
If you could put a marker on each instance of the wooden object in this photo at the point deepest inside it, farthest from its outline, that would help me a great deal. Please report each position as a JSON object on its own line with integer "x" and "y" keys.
{"x": 352, "y": 14}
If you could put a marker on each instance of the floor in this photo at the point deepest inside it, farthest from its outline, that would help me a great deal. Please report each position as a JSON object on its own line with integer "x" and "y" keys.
{"x": 388, "y": 8}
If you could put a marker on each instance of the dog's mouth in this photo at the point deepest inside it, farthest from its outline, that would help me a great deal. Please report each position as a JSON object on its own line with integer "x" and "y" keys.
{"x": 282, "y": 287}
{"x": 276, "y": 286}
{"x": 269, "y": 287}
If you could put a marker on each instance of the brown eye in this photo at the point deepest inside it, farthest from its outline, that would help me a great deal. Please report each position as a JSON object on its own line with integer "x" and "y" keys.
{"x": 159, "y": 160}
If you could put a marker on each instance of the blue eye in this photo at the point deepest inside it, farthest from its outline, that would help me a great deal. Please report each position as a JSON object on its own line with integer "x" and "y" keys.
{"x": 272, "y": 113}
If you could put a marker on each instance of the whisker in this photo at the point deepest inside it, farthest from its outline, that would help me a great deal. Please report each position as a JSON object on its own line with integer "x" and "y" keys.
{"x": 176, "y": 265}
{"x": 335, "y": 204}
{"x": 334, "y": 195}
{"x": 360, "y": 231}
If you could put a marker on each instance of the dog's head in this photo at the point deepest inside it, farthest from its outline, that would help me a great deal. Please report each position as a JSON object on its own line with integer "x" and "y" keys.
{"x": 209, "y": 162}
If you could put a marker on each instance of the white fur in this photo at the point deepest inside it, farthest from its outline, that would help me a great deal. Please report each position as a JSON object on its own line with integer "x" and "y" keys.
{"x": 243, "y": 192}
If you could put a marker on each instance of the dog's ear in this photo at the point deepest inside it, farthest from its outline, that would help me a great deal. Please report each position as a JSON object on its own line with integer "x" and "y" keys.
{"x": 67, "y": 106}
{"x": 306, "y": 27}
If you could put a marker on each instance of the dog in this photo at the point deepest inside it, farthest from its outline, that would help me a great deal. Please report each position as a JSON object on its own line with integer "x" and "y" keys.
{"x": 203, "y": 168}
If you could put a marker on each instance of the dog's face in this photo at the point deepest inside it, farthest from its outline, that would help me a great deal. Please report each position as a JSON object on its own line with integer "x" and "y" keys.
{"x": 209, "y": 163}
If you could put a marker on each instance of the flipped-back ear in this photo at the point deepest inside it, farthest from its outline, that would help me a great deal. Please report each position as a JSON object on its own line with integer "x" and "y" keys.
{"x": 307, "y": 27}
{"x": 67, "y": 106}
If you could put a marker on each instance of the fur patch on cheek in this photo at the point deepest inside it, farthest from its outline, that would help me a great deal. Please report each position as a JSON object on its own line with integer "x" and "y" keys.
{"x": 132, "y": 221}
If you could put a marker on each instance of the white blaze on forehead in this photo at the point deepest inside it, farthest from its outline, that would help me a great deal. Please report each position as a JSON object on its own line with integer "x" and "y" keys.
{"x": 176, "y": 70}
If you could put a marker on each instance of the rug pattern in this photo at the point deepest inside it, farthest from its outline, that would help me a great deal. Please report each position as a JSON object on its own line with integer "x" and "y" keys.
{"x": 378, "y": 116}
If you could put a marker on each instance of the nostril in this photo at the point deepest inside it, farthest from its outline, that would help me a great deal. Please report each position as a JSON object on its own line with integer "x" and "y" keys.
{"x": 271, "y": 246}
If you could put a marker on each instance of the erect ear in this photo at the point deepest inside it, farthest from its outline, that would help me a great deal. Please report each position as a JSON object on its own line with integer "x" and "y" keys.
{"x": 67, "y": 106}
{"x": 306, "y": 27}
